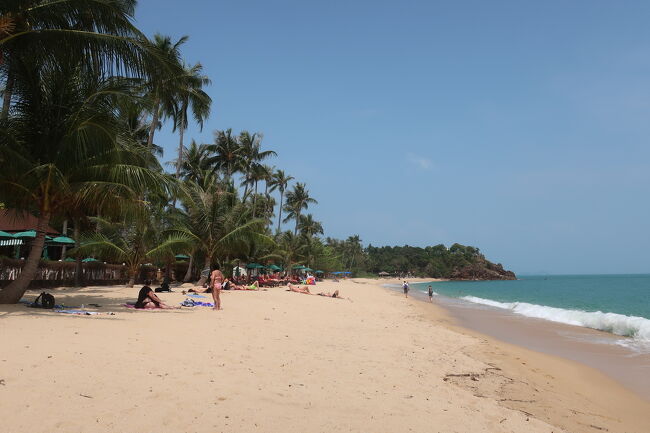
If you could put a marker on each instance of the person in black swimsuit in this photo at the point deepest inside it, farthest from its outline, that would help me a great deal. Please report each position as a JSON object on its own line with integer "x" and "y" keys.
{"x": 147, "y": 299}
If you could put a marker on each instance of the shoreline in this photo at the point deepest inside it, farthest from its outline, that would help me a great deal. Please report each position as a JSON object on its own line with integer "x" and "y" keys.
{"x": 591, "y": 347}
{"x": 372, "y": 361}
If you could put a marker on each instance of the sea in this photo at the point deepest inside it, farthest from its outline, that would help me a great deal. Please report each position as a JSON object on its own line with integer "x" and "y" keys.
{"x": 617, "y": 304}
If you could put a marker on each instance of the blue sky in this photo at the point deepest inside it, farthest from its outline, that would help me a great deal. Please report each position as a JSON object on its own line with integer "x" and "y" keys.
{"x": 519, "y": 127}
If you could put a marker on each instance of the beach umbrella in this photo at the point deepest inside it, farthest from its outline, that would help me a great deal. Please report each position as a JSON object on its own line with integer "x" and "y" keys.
{"x": 307, "y": 269}
{"x": 254, "y": 266}
{"x": 69, "y": 259}
{"x": 63, "y": 240}
{"x": 89, "y": 259}
{"x": 181, "y": 257}
{"x": 320, "y": 272}
{"x": 25, "y": 235}
{"x": 274, "y": 267}
{"x": 5, "y": 235}
{"x": 299, "y": 267}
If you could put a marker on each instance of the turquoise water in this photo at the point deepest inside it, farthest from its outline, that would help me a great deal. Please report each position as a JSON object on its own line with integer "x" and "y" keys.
{"x": 614, "y": 303}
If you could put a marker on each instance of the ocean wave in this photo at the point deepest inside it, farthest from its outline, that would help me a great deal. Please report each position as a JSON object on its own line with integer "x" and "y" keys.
{"x": 619, "y": 324}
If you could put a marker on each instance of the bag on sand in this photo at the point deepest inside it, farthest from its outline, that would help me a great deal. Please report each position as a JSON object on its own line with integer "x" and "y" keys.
{"x": 46, "y": 301}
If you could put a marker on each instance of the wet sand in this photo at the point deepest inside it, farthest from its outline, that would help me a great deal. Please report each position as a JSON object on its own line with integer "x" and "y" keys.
{"x": 591, "y": 347}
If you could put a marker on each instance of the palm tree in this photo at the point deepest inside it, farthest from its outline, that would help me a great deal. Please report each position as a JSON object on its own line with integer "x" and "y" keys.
{"x": 99, "y": 31}
{"x": 290, "y": 249}
{"x": 309, "y": 226}
{"x": 190, "y": 95}
{"x": 297, "y": 200}
{"x": 162, "y": 90}
{"x": 195, "y": 165}
{"x": 67, "y": 150}
{"x": 252, "y": 156}
{"x": 281, "y": 182}
{"x": 217, "y": 223}
{"x": 228, "y": 153}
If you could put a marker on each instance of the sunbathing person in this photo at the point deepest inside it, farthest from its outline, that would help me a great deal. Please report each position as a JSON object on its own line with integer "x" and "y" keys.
{"x": 298, "y": 289}
{"x": 253, "y": 286}
{"x": 147, "y": 299}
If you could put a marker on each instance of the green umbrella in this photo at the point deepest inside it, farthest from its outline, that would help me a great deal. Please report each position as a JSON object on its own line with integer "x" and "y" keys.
{"x": 63, "y": 240}
{"x": 274, "y": 268}
{"x": 300, "y": 267}
{"x": 27, "y": 234}
{"x": 5, "y": 235}
{"x": 320, "y": 272}
{"x": 89, "y": 259}
{"x": 307, "y": 269}
{"x": 69, "y": 259}
{"x": 254, "y": 266}
{"x": 181, "y": 257}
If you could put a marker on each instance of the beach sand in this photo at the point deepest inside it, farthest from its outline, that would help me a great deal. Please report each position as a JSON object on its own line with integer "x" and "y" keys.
{"x": 277, "y": 361}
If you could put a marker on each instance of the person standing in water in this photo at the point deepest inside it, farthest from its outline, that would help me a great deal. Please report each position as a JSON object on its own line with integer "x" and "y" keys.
{"x": 216, "y": 279}
{"x": 405, "y": 286}
{"x": 430, "y": 293}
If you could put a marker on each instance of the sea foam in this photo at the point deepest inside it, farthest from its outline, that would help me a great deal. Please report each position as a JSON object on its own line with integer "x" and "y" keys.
{"x": 628, "y": 326}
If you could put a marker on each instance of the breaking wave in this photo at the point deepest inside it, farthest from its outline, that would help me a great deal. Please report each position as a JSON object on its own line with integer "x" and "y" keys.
{"x": 619, "y": 324}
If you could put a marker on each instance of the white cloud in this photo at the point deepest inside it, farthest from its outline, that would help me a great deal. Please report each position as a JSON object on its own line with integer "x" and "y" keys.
{"x": 419, "y": 161}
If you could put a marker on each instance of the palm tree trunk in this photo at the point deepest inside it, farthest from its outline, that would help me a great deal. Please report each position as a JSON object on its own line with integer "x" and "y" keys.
{"x": 8, "y": 93}
{"x": 280, "y": 210}
{"x": 65, "y": 233}
{"x": 206, "y": 265}
{"x": 154, "y": 123}
{"x": 255, "y": 199}
{"x": 78, "y": 267}
{"x": 132, "y": 273}
{"x": 188, "y": 275}
{"x": 16, "y": 289}
{"x": 295, "y": 231}
{"x": 181, "y": 129}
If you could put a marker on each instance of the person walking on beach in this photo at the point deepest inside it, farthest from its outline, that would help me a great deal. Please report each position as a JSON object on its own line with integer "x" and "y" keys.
{"x": 430, "y": 293}
{"x": 405, "y": 286}
{"x": 216, "y": 279}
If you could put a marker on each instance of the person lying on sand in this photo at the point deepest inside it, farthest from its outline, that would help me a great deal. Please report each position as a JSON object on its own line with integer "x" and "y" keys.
{"x": 298, "y": 289}
{"x": 147, "y": 299}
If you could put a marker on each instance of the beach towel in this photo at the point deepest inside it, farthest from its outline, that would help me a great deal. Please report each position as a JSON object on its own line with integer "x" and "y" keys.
{"x": 194, "y": 295}
{"x": 83, "y": 312}
{"x": 193, "y": 303}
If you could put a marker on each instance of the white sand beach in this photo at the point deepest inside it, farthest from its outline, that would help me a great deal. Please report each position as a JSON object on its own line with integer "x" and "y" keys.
{"x": 277, "y": 361}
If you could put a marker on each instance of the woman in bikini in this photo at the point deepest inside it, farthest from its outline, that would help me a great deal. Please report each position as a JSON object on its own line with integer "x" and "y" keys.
{"x": 216, "y": 279}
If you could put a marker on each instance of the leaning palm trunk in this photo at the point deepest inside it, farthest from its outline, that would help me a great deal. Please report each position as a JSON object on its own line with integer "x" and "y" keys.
{"x": 255, "y": 199}
{"x": 16, "y": 289}
{"x": 206, "y": 265}
{"x": 188, "y": 275}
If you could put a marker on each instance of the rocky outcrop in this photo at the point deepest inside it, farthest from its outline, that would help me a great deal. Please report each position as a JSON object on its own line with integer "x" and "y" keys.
{"x": 482, "y": 270}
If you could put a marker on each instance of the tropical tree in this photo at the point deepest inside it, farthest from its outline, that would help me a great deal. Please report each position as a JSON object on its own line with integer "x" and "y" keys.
{"x": 308, "y": 226}
{"x": 298, "y": 199}
{"x": 217, "y": 223}
{"x": 190, "y": 95}
{"x": 252, "y": 157}
{"x": 162, "y": 87}
{"x": 227, "y": 153}
{"x": 67, "y": 150}
{"x": 280, "y": 181}
{"x": 48, "y": 31}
